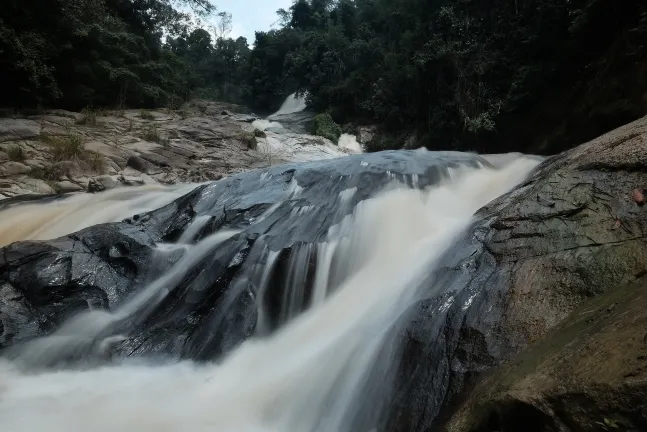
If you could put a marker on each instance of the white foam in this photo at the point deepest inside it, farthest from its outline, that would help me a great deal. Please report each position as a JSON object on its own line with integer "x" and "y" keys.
{"x": 289, "y": 147}
{"x": 349, "y": 142}
{"x": 263, "y": 124}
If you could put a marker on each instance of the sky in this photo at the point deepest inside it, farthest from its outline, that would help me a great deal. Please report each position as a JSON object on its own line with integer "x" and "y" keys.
{"x": 251, "y": 15}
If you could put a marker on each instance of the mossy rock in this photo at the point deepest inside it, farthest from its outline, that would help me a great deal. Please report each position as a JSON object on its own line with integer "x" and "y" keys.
{"x": 325, "y": 126}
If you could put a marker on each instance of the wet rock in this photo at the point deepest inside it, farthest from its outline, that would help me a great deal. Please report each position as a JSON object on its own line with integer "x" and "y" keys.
{"x": 521, "y": 270}
{"x": 138, "y": 164}
{"x": 131, "y": 177}
{"x": 61, "y": 277}
{"x": 101, "y": 183}
{"x": 366, "y": 134}
{"x": 105, "y": 264}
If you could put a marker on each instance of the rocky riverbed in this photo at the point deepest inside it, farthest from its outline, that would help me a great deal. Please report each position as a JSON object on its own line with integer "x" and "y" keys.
{"x": 56, "y": 151}
{"x": 533, "y": 319}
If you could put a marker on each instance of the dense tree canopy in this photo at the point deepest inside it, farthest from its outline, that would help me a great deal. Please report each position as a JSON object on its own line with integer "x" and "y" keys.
{"x": 485, "y": 75}
{"x": 466, "y": 74}
{"x": 75, "y": 53}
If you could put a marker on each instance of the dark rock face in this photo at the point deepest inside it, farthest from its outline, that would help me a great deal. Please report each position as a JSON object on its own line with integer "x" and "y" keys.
{"x": 298, "y": 122}
{"x": 213, "y": 307}
{"x": 45, "y": 283}
{"x": 571, "y": 232}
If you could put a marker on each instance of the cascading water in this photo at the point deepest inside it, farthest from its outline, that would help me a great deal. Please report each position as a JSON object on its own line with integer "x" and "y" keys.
{"x": 292, "y": 104}
{"x": 282, "y": 144}
{"x": 25, "y": 221}
{"x": 324, "y": 310}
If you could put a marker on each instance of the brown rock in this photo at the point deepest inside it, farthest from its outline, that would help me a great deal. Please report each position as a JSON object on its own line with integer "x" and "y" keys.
{"x": 67, "y": 186}
{"x": 589, "y": 371}
{"x": 18, "y": 129}
{"x": 13, "y": 168}
{"x": 138, "y": 164}
{"x": 529, "y": 266}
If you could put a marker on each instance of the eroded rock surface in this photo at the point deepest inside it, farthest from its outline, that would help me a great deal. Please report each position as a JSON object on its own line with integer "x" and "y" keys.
{"x": 202, "y": 141}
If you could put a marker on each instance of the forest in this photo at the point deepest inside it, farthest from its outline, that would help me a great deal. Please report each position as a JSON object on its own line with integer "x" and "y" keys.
{"x": 116, "y": 53}
{"x": 483, "y": 75}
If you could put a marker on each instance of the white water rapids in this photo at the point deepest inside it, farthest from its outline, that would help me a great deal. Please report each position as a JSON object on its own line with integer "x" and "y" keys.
{"x": 64, "y": 216}
{"x": 285, "y": 146}
{"x": 292, "y": 104}
{"x": 305, "y": 377}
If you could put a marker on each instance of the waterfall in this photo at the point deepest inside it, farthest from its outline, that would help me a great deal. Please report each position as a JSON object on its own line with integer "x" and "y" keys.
{"x": 292, "y": 104}
{"x": 325, "y": 309}
{"x": 349, "y": 142}
{"x": 281, "y": 144}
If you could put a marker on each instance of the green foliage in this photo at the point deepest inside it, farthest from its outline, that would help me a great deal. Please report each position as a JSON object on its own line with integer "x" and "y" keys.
{"x": 463, "y": 74}
{"x": 109, "y": 53}
{"x": 65, "y": 147}
{"x": 325, "y": 126}
{"x": 609, "y": 424}
{"x": 249, "y": 139}
{"x": 47, "y": 173}
{"x": 16, "y": 153}
{"x": 90, "y": 116}
{"x": 150, "y": 133}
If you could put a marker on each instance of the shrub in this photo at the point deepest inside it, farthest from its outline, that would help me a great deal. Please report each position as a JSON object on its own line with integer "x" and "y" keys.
{"x": 16, "y": 153}
{"x": 325, "y": 126}
{"x": 249, "y": 138}
{"x": 150, "y": 133}
{"x": 90, "y": 116}
{"x": 46, "y": 173}
{"x": 65, "y": 146}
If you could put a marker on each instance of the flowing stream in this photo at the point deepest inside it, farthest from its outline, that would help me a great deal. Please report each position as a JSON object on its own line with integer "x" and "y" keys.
{"x": 63, "y": 216}
{"x": 283, "y": 144}
{"x": 308, "y": 375}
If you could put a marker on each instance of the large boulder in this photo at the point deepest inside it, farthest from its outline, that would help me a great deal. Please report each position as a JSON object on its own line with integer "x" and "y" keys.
{"x": 587, "y": 374}
{"x": 212, "y": 307}
{"x": 571, "y": 232}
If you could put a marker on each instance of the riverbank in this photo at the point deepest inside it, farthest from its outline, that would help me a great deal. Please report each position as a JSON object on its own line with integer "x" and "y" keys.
{"x": 56, "y": 151}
